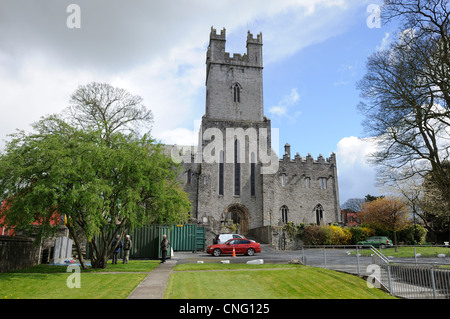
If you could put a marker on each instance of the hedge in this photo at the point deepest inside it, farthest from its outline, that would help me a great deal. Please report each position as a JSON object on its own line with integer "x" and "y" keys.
{"x": 336, "y": 235}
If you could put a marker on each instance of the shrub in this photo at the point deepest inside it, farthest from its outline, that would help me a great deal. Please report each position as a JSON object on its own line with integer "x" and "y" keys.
{"x": 316, "y": 235}
{"x": 338, "y": 235}
{"x": 360, "y": 233}
{"x": 411, "y": 235}
{"x": 294, "y": 231}
{"x": 335, "y": 235}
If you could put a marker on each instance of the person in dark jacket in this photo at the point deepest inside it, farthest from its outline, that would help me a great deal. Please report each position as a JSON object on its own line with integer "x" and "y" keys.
{"x": 117, "y": 250}
{"x": 164, "y": 247}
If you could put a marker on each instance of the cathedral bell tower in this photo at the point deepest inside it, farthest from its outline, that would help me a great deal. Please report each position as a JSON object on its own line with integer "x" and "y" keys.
{"x": 234, "y": 85}
{"x": 230, "y": 135}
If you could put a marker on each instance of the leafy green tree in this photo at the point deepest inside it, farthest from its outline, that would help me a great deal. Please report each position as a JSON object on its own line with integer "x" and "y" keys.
{"x": 102, "y": 188}
{"x": 93, "y": 167}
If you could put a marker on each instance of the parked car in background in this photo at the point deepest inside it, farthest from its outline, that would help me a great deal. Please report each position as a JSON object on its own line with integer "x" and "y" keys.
{"x": 376, "y": 241}
{"x": 223, "y": 238}
{"x": 240, "y": 245}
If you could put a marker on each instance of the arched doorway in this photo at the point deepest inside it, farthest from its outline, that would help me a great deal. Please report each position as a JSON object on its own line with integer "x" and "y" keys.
{"x": 238, "y": 214}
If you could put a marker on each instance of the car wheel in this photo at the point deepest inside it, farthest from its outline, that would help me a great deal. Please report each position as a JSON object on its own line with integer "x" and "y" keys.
{"x": 217, "y": 252}
{"x": 250, "y": 251}
{"x": 382, "y": 246}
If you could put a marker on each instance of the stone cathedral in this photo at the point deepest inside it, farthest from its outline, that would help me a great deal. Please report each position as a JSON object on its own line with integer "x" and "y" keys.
{"x": 235, "y": 181}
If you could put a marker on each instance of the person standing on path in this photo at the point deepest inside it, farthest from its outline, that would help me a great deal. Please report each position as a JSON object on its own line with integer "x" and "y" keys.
{"x": 126, "y": 249}
{"x": 117, "y": 250}
{"x": 164, "y": 246}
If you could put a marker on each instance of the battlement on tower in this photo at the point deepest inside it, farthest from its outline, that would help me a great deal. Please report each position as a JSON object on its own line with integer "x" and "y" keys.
{"x": 257, "y": 40}
{"x": 216, "y": 50}
{"x": 307, "y": 159}
{"x": 214, "y": 36}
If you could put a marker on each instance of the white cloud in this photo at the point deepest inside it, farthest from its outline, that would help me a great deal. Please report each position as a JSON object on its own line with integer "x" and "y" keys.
{"x": 356, "y": 177}
{"x": 287, "y": 103}
{"x": 385, "y": 42}
{"x": 278, "y": 110}
{"x": 179, "y": 136}
{"x": 153, "y": 49}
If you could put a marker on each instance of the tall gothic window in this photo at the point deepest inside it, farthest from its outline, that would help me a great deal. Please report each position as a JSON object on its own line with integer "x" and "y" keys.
{"x": 188, "y": 177}
{"x": 252, "y": 175}
{"x": 283, "y": 179}
{"x": 236, "y": 93}
{"x": 319, "y": 214}
{"x": 307, "y": 182}
{"x": 221, "y": 173}
{"x": 237, "y": 170}
{"x": 284, "y": 214}
{"x": 323, "y": 183}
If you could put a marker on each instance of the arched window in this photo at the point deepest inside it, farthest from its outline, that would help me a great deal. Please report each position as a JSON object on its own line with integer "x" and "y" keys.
{"x": 283, "y": 179}
{"x": 237, "y": 170}
{"x": 284, "y": 214}
{"x": 221, "y": 173}
{"x": 237, "y": 93}
{"x": 323, "y": 183}
{"x": 188, "y": 176}
{"x": 319, "y": 214}
{"x": 308, "y": 182}
{"x": 252, "y": 175}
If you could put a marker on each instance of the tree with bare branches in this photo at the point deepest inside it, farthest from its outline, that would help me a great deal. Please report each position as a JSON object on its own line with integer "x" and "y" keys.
{"x": 406, "y": 93}
{"x": 108, "y": 109}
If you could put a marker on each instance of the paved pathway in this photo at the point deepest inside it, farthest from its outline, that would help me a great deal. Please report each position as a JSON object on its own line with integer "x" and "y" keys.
{"x": 154, "y": 285}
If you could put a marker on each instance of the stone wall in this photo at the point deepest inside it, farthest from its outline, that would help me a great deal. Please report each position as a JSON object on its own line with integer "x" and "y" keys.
{"x": 300, "y": 196}
{"x": 276, "y": 237}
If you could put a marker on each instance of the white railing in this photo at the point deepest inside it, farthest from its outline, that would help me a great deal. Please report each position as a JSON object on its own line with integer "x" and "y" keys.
{"x": 403, "y": 278}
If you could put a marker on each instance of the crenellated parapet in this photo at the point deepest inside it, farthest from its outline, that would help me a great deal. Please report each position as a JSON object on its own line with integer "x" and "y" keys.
{"x": 217, "y": 36}
{"x": 216, "y": 50}
{"x": 308, "y": 159}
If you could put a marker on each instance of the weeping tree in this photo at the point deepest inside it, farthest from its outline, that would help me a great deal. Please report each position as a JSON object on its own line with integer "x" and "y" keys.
{"x": 104, "y": 179}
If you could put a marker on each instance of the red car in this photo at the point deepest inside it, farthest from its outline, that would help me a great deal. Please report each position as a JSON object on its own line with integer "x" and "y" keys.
{"x": 240, "y": 245}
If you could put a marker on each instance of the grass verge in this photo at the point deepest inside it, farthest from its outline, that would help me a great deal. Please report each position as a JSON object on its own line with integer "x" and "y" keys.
{"x": 50, "y": 282}
{"x": 408, "y": 252}
{"x": 298, "y": 283}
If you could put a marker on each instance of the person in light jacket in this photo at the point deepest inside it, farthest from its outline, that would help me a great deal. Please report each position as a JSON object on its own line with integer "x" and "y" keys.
{"x": 126, "y": 249}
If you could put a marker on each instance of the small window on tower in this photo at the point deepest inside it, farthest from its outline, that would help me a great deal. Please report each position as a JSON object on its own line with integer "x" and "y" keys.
{"x": 236, "y": 93}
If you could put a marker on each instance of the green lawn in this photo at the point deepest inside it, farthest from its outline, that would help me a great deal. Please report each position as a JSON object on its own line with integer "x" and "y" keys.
{"x": 50, "y": 282}
{"x": 195, "y": 281}
{"x": 298, "y": 283}
{"x": 408, "y": 252}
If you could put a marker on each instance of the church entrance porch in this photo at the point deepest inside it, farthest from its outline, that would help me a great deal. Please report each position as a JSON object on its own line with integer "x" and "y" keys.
{"x": 236, "y": 217}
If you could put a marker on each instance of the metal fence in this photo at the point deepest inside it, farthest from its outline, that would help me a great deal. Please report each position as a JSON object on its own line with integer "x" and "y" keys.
{"x": 408, "y": 278}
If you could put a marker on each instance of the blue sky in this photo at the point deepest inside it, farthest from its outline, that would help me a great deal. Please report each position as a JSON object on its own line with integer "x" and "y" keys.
{"x": 314, "y": 53}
